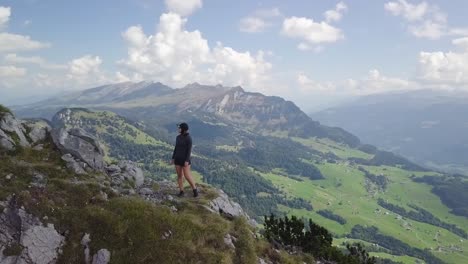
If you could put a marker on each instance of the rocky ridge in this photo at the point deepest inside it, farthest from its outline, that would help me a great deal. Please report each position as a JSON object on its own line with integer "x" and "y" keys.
{"x": 24, "y": 238}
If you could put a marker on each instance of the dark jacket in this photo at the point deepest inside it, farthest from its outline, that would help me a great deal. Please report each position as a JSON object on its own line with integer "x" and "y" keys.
{"x": 183, "y": 147}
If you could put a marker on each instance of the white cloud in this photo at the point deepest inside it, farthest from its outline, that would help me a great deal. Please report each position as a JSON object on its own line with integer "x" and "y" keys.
{"x": 183, "y": 7}
{"x": 12, "y": 42}
{"x": 428, "y": 29}
{"x": 447, "y": 70}
{"x": 310, "y": 31}
{"x": 86, "y": 71}
{"x": 313, "y": 34}
{"x": 252, "y": 24}
{"x": 461, "y": 42}
{"x": 239, "y": 68}
{"x": 12, "y": 72}
{"x": 373, "y": 83}
{"x": 424, "y": 20}
{"x": 259, "y": 21}
{"x": 15, "y": 59}
{"x": 5, "y": 13}
{"x": 176, "y": 56}
{"x": 336, "y": 14}
{"x": 408, "y": 11}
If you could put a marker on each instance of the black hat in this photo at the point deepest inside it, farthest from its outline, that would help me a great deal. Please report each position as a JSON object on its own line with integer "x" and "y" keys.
{"x": 183, "y": 126}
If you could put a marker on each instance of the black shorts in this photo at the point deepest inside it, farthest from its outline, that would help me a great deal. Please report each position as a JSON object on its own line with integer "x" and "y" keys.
{"x": 181, "y": 162}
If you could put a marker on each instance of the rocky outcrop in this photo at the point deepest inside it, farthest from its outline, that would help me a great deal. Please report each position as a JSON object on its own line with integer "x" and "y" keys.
{"x": 126, "y": 171}
{"x": 10, "y": 124}
{"x": 14, "y": 132}
{"x": 38, "y": 130}
{"x": 81, "y": 145}
{"x": 73, "y": 164}
{"x": 6, "y": 142}
{"x": 228, "y": 208}
{"x": 26, "y": 239}
{"x": 101, "y": 257}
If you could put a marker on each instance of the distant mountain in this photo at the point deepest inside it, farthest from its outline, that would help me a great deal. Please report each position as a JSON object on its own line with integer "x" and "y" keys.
{"x": 141, "y": 100}
{"x": 429, "y": 127}
{"x": 272, "y": 158}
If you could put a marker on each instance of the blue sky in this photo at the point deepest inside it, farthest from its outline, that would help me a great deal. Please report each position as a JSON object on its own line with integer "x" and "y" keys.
{"x": 314, "y": 53}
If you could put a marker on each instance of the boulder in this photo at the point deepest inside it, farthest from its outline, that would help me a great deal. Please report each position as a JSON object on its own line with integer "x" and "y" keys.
{"x": 101, "y": 257}
{"x": 6, "y": 142}
{"x": 37, "y": 243}
{"x": 224, "y": 206}
{"x": 80, "y": 145}
{"x": 10, "y": 124}
{"x": 131, "y": 171}
{"x": 73, "y": 165}
{"x": 38, "y": 130}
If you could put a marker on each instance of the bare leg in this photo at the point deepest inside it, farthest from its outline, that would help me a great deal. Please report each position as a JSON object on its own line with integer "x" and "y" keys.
{"x": 188, "y": 175}
{"x": 180, "y": 177}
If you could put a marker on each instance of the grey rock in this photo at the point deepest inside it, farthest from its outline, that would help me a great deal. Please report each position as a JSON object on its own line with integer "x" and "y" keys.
{"x": 11, "y": 124}
{"x": 166, "y": 235}
{"x": 6, "y": 142}
{"x": 146, "y": 191}
{"x": 9, "y": 176}
{"x": 113, "y": 169}
{"x": 131, "y": 171}
{"x": 39, "y": 130}
{"x": 224, "y": 206}
{"x": 39, "y": 180}
{"x": 73, "y": 165}
{"x": 80, "y": 145}
{"x": 102, "y": 257}
{"x": 42, "y": 244}
{"x": 261, "y": 261}
{"x": 228, "y": 240}
{"x": 85, "y": 243}
{"x": 38, "y": 147}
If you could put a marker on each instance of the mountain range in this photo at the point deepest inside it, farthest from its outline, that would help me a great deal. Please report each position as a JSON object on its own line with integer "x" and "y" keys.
{"x": 272, "y": 158}
{"x": 427, "y": 126}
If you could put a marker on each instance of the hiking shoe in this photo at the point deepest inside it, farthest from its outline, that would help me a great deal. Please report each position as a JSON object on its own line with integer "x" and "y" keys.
{"x": 195, "y": 192}
{"x": 181, "y": 194}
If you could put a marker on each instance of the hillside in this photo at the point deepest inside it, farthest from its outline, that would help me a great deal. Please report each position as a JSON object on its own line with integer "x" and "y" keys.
{"x": 426, "y": 126}
{"x": 53, "y": 212}
{"x": 272, "y": 158}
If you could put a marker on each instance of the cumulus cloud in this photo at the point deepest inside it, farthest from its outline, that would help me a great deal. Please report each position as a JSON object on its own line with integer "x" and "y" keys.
{"x": 86, "y": 70}
{"x": 311, "y": 31}
{"x": 409, "y": 11}
{"x": 259, "y": 21}
{"x": 183, "y": 7}
{"x": 336, "y": 14}
{"x": 447, "y": 70}
{"x": 5, "y": 13}
{"x": 313, "y": 34}
{"x": 177, "y": 56}
{"x": 424, "y": 20}
{"x": 12, "y": 42}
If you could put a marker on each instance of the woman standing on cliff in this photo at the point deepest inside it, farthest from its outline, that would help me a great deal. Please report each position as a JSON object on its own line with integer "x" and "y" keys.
{"x": 181, "y": 159}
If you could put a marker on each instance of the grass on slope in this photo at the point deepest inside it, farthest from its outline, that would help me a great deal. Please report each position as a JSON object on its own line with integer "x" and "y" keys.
{"x": 132, "y": 229}
{"x": 325, "y": 145}
{"x": 343, "y": 192}
{"x": 109, "y": 122}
